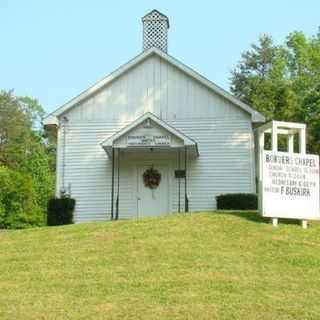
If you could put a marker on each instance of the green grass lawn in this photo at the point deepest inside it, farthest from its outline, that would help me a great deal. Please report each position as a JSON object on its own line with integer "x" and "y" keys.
{"x": 188, "y": 266}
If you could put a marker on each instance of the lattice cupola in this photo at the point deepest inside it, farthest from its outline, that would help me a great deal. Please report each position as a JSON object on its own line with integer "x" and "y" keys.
{"x": 155, "y": 31}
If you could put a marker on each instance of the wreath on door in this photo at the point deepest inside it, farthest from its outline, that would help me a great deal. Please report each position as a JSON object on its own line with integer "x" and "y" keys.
{"x": 151, "y": 178}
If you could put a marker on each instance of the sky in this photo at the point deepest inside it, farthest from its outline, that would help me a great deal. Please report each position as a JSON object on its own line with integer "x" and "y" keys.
{"x": 53, "y": 50}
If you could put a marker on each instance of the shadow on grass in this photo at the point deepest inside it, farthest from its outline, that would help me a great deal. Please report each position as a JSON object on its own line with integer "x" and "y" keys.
{"x": 254, "y": 216}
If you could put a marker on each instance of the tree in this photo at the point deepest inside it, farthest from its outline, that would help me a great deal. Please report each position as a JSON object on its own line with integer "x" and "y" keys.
{"x": 304, "y": 67}
{"x": 283, "y": 81}
{"x": 15, "y": 135}
{"x": 24, "y": 148}
{"x": 18, "y": 205}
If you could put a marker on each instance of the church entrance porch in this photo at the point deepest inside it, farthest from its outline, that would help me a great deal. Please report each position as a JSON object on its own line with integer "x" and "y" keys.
{"x": 149, "y": 168}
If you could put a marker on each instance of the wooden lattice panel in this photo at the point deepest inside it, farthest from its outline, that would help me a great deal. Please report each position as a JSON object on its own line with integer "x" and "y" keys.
{"x": 155, "y": 31}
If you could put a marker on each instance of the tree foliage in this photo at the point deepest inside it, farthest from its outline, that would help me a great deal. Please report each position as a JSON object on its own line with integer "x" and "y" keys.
{"x": 18, "y": 201}
{"x": 283, "y": 81}
{"x": 26, "y": 151}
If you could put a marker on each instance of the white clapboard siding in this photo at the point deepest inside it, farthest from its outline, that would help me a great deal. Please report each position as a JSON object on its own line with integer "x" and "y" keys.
{"x": 222, "y": 131}
{"x": 225, "y": 162}
{"x": 224, "y": 165}
{"x": 156, "y": 86}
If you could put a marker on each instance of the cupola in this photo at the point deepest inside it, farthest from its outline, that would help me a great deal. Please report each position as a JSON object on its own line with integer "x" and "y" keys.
{"x": 155, "y": 31}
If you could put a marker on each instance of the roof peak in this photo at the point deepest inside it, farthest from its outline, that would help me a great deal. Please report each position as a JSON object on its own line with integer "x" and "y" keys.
{"x": 256, "y": 116}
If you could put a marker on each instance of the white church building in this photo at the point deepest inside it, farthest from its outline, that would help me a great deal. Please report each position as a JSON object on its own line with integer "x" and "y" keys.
{"x": 153, "y": 137}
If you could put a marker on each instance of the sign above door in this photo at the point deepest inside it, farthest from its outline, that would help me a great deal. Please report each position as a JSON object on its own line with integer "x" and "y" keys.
{"x": 148, "y": 140}
{"x": 150, "y": 131}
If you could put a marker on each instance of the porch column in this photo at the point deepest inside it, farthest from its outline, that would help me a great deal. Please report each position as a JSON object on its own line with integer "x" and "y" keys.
{"x": 112, "y": 183}
{"x": 179, "y": 181}
{"x": 118, "y": 186}
{"x": 186, "y": 200}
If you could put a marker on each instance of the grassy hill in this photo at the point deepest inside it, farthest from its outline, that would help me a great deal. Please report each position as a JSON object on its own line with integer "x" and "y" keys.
{"x": 189, "y": 266}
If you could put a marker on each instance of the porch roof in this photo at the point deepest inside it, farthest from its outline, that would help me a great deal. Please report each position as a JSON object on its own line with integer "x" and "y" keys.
{"x": 150, "y": 132}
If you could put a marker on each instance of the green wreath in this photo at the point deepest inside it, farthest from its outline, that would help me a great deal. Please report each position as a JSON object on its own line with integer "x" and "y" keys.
{"x": 151, "y": 178}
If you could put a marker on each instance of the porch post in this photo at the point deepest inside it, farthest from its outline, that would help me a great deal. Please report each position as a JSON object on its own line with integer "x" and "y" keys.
{"x": 112, "y": 183}
{"x": 186, "y": 200}
{"x": 118, "y": 187}
{"x": 179, "y": 181}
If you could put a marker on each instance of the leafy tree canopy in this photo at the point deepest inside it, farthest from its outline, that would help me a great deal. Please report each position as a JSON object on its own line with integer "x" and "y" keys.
{"x": 24, "y": 148}
{"x": 283, "y": 81}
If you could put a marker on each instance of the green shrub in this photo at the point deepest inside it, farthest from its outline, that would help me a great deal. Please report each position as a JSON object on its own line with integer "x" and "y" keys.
{"x": 237, "y": 201}
{"x": 60, "y": 211}
{"x": 18, "y": 206}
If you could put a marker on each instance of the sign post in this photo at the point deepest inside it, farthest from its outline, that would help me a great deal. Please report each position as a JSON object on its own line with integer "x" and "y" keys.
{"x": 288, "y": 181}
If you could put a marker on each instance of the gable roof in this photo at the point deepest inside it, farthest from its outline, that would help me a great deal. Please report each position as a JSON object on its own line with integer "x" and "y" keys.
{"x": 255, "y": 115}
{"x": 148, "y": 115}
{"x": 187, "y": 141}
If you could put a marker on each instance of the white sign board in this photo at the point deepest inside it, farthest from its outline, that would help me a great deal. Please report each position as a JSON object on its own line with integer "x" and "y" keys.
{"x": 290, "y": 185}
{"x": 148, "y": 140}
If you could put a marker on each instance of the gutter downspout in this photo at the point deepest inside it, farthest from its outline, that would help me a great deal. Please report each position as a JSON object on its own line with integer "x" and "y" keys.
{"x": 63, "y": 165}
